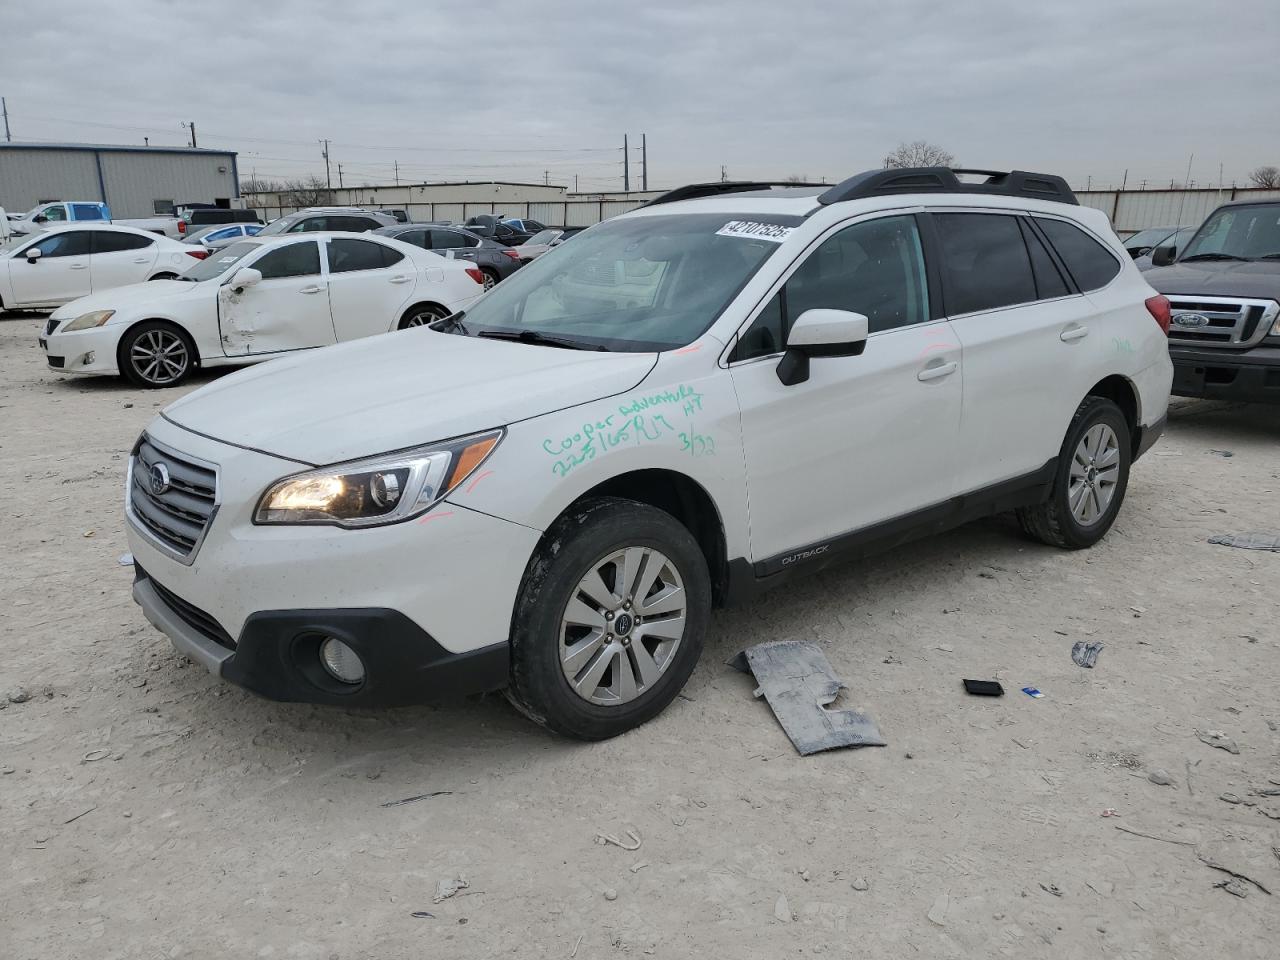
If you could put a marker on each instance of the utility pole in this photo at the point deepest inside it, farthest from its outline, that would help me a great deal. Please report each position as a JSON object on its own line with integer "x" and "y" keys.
{"x": 339, "y": 176}
{"x": 146, "y": 141}
{"x": 644, "y": 161}
{"x": 575, "y": 183}
{"x": 1124, "y": 180}
{"x": 397, "y": 166}
{"x": 191, "y": 124}
{"x": 5, "y": 105}
{"x": 546, "y": 177}
{"x": 324, "y": 152}
{"x": 626, "y": 165}
{"x": 724, "y": 174}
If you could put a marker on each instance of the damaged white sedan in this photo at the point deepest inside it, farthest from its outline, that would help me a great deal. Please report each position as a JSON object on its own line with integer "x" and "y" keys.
{"x": 257, "y": 299}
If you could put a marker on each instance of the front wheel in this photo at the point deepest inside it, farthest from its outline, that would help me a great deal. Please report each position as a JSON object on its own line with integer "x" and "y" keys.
{"x": 156, "y": 354}
{"x": 422, "y": 314}
{"x": 1091, "y": 479}
{"x": 610, "y": 619}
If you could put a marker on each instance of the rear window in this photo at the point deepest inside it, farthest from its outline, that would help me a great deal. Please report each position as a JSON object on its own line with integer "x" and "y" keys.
{"x": 87, "y": 211}
{"x": 1089, "y": 262}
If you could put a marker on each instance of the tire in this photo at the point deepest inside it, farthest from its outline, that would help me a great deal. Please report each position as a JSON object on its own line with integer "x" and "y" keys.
{"x": 491, "y": 278}
{"x": 1055, "y": 522}
{"x": 420, "y": 314}
{"x": 176, "y": 364}
{"x": 164, "y": 276}
{"x": 580, "y": 543}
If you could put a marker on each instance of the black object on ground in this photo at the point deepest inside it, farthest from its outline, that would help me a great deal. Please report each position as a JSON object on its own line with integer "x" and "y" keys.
{"x": 984, "y": 688}
{"x": 1257, "y": 540}
{"x": 798, "y": 682}
{"x": 421, "y": 796}
{"x": 1086, "y": 654}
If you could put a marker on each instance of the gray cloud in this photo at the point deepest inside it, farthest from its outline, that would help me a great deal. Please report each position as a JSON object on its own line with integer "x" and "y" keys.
{"x": 508, "y": 90}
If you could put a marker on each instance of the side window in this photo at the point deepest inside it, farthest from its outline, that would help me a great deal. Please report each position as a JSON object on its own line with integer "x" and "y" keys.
{"x": 55, "y": 214}
{"x": 446, "y": 240}
{"x": 354, "y": 224}
{"x": 87, "y": 211}
{"x": 108, "y": 241}
{"x": 309, "y": 225}
{"x": 874, "y": 268}
{"x": 390, "y": 257}
{"x": 533, "y": 226}
{"x": 294, "y": 260}
{"x": 68, "y": 243}
{"x": 1049, "y": 281}
{"x": 162, "y": 208}
{"x": 419, "y": 238}
{"x": 985, "y": 261}
{"x": 470, "y": 241}
{"x": 346, "y": 256}
{"x": 1090, "y": 263}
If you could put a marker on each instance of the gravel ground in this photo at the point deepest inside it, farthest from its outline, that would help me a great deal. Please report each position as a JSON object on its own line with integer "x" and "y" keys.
{"x": 148, "y": 810}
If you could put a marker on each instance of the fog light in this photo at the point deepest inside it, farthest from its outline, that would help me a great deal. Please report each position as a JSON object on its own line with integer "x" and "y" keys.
{"x": 341, "y": 661}
{"x": 89, "y": 358}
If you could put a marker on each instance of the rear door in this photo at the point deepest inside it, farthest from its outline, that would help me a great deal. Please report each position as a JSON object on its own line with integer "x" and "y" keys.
{"x": 287, "y": 310}
{"x": 120, "y": 258}
{"x": 370, "y": 285}
{"x": 1023, "y": 327}
{"x": 59, "y": 274}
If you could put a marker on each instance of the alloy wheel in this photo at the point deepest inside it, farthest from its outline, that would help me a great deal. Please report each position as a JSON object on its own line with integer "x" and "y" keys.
{"x": 1095, "y": 471}
{"x": 159, "y": 356}
{"x": 622, "y": 626}
{"x": 423, "y": 316}
{"x": 490, "y": 281}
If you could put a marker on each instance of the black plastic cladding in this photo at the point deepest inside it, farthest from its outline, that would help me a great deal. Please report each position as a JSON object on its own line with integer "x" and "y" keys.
{"x": 693, "y": 191}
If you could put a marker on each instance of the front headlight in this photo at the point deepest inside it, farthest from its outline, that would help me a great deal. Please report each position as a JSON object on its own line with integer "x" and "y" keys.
{"x": 376, "y": 491}
{"x": 87, "y": 321}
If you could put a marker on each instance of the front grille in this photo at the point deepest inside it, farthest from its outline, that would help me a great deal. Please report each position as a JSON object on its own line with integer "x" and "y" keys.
{"x": 51, "y": 326}
{"x": 56, "y": 361}
{"x": 193, "y": 616}
{"x": 1228, "y": 321}
{"x": 175, "y": 517}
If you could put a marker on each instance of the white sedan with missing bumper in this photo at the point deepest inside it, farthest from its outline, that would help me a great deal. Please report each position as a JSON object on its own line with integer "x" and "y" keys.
{"x": 254, "y": 300}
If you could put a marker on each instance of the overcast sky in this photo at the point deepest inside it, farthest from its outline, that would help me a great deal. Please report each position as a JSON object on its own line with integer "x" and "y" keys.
{"x": 508, "y": 90}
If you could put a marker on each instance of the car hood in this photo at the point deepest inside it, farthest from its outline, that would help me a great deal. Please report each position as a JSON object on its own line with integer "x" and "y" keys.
{"x": 131, "y": 296}
{"x": 398, "y": 390}
{"x": 1258, "y": 279}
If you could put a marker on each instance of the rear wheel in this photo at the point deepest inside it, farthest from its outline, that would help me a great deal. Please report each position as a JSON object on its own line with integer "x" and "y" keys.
{"x": 1091, "y": 479}
{"x": 610, "y": 619}
{"x": 421, "y": 314}
{"x": 156, "y": 354}
{"x": 491, "y": 277}
{"x": 164, "y": 276}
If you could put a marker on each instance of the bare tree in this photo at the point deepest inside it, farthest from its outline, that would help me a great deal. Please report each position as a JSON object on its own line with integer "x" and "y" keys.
{"x": 798, "y": 178}
{"x": 309, "y": 191}
{"x": 1268, "y": 177}
{"x": 260, "y": 185}
{"x": 919, "y": 153}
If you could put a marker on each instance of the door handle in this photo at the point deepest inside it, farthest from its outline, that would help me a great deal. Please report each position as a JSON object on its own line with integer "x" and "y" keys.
{"x": 314, "y": 288}
{"x": 1075, "y": 332}
{"x": 937, "y": 372}
{"x": 140, "y": 260}
{"x": 79, "y": 266}
{"x": 400, "y": 279}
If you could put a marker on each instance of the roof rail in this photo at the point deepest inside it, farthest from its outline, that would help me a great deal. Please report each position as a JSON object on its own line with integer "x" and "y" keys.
{"x": 693, "y": 191}
{"x": 1014, "y": 183}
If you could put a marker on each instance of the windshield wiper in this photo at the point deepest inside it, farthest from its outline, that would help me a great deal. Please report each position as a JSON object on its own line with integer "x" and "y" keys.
{"x": 451, "y": 324}
{"x": 1269, "y": 256}
{"x": 537, "y": 338}
{"x": 1212, "y": 256}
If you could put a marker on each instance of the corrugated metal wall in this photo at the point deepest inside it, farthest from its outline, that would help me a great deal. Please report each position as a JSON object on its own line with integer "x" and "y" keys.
{"x": 29, "y": 177}
{"x": 1134, "y": 210}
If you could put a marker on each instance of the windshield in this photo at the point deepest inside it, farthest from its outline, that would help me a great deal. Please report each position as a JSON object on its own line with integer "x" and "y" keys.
{"x": 546, "y": 236}
{"x": 1246, "y": 232}
{"x": 1149, "y": 237}
{"x": 633, "y": 284}
{"x": 277, "y": 226}
{"x": 219, "y": 263}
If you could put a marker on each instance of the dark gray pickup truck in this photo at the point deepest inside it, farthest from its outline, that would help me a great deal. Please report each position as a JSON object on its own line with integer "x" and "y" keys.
{"x": 1224, "y": 290}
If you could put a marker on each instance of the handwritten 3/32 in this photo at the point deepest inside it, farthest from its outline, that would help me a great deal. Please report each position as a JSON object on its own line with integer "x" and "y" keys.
{"x": 639, "y": 420}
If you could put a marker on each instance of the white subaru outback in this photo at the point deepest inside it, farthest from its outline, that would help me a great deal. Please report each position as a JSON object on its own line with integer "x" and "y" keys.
{"x": 549, "y": 492}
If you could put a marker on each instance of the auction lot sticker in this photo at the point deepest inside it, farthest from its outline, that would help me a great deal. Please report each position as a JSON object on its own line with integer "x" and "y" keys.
{"x": 755, "y": 231}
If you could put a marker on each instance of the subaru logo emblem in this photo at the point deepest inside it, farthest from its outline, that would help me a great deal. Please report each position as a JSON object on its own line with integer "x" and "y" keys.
{"x": 159, "y": 477}
{"x": 1190, "y": 320}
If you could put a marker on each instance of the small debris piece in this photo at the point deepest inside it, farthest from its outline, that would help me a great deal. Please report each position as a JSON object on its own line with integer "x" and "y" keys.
{"x": 448, "y": 888}
{"x": 422, "y": 915}
{"x": 92, "y": 755}
{"x": 1231, "y": 798}
{"x": 1222, "y": 453}
{"x": 1152, "y": 836}
{"x": 421, "y": 796}
{"x": 1214, "y": 865}
{"x": 7, "y": 769}
{"x": 88, "y": 534}
{"x": 891, "y": 659}
{"x": 125, "y": 559}
{"x": 79, "y": 815}
{"x": 1110, "y": 812}
{"x": 1086, "y": 654}
{"x": 1032, "y": 692}
{"x": 1234, "y": 887}
{"x": 938, "y": 912}
{"x": 574, "y": 952}
{"x": 606, "y": 838}
{"x": 861, "y": 884}
{"x": 1051, "y": 888}
{"x": 1102, "y": 888}
{"x": 945, "y": 647}
{"x": 610, "y": 893}
{"x": 1216, "y": 738}
{"x": 1160, "y": 777}
{"x": 1257, "y": 540}
{"x": 637, "y": 867}
{"x": 782, "y": 910}
{"x": 798, "y": 682}
{"x": 20, "y": 695}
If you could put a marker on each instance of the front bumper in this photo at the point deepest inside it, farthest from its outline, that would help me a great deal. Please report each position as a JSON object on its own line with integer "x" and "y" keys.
{"x": 83, "y": 351}
{"x": 1249, "y": 375}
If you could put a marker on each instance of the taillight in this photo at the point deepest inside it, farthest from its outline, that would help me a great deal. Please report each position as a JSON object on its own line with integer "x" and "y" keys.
{"x": 182, "y": 226}
{"x": 511, "y": 253}
{"x": 1159, "y": 308}
{"x": 475, "y": 274}
{"x": 198, "y": 254}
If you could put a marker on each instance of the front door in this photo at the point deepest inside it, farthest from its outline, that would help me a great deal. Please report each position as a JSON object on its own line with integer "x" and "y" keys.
{"x": 58, "y": 275}
{"x": 370, "y": 285}
{"x": 287, "y": 310}
{"x": 119, "y": 258}
{"x": 866, "y": 438}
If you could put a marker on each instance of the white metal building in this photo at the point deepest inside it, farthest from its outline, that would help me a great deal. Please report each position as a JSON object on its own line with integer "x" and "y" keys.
{"x": 132, "y": 181}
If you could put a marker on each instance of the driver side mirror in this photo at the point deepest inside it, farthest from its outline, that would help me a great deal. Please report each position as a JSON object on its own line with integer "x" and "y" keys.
{"x": 821, "y": 333}
{"x": 245, "y": 277}
{"x": 39, "y": 218}
{"x": 1163, "y": 256}
{"x": 33, "y": 254}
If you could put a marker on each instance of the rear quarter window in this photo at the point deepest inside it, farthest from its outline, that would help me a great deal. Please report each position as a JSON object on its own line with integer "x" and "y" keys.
{"x": 1090, "y": 264}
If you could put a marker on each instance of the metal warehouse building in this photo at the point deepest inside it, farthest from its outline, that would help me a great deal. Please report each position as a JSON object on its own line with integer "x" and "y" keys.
{"x": 133, "y": 181}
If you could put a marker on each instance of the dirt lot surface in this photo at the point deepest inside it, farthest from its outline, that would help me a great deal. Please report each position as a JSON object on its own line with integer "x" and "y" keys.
{"x": 148, "y": 810}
